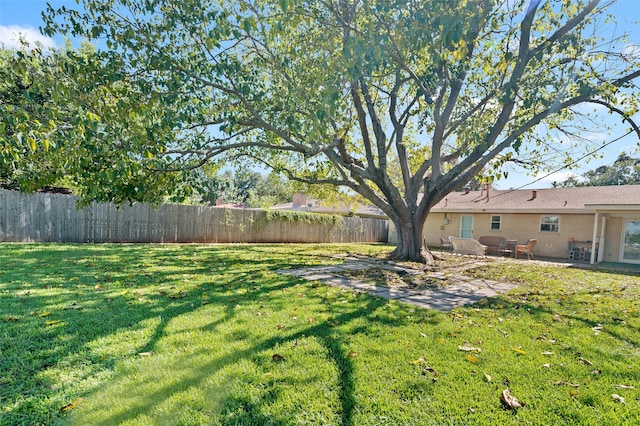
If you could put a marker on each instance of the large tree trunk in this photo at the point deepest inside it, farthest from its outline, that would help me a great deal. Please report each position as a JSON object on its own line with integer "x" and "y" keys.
{"x": 410, "y": 243}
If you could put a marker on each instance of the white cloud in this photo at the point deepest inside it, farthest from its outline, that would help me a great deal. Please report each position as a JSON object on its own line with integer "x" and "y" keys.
{"x": 10, "y": 36}
{"x": 558, "y": 177}
{"x": 632, "y": 50}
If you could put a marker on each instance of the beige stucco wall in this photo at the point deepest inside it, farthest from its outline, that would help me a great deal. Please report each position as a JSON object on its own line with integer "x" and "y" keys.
{"x": 520, "y": 227}
{"x": 523, "y": 226}
{"x": 514, "y": 226}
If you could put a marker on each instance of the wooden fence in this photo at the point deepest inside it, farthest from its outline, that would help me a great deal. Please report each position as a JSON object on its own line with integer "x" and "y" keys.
{"x": 55, "y": 218}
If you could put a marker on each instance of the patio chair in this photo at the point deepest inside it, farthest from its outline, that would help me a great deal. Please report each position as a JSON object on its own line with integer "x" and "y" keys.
{"x": 526, "y": 248}
{"x": 445, "y": 243}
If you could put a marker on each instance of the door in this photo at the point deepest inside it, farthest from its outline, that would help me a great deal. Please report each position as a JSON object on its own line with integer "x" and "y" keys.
{"x": 466, "y": 226}
{"x": 631, "y": 242}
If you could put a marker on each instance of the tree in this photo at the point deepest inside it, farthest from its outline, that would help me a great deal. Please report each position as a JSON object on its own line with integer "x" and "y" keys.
{"x": 348, "y": 93}
{"x": 68, "y": 116}
{"x": 248, "y": 187}
{"x": 624, "y": 171}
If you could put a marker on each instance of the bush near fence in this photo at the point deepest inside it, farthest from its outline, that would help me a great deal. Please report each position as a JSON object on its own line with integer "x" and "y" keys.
{"x": 56, "y": 218}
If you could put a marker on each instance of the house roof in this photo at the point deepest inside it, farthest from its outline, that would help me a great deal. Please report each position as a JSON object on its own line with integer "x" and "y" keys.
{"x": 229, "y": 206}
{"x": 316, "y": 206}
{"x": 551, "y": 200}
{"x": 557, "y": 200}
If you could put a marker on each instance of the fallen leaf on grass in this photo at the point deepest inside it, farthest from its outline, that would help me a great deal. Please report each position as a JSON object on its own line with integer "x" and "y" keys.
{"x": 71, "y": 405}
{"x": 11, "y": 318}
{"x": 472, "y": 359}
{"x": 418, "y": 361}
{"x": 277, "y": 357}
{"x": 44, "y": 314}
{"x": 487, "y": 377}
{"x": 352, "y": 354}
{"x": 519, "y": 351}
{"x": 145, "y": 353}
{"x": 565, "y": 383}
{"x": 623, "y": 386}
{"x": 54, "y": 322}
{"x": 618, "y": 398}
{"x": 510, "y": 401}
{"x": 428, "y": 369}
{"x": 585, "y": 361}
{"x": 547, "y": 353}
{"x": 468, "y": 348}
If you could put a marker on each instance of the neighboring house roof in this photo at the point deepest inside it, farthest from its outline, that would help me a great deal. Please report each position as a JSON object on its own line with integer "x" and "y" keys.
{"x": 230, "y": 206}
{"x": 315, "y": 206}
{"x": 556, "y": 200}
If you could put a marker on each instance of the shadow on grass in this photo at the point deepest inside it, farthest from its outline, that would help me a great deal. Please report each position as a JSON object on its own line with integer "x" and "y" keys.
{"x": 57, "y": 300}
{"x": 250, "y": 412}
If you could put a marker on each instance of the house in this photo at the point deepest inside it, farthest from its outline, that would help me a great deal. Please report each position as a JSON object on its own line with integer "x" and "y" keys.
{"x": 301, "y": 203}
{"x": 591, "y": 224}
{"x": 220, "y": 204}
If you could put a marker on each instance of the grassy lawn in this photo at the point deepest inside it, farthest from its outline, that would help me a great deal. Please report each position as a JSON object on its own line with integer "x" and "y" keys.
{"x": 205, "y": 335}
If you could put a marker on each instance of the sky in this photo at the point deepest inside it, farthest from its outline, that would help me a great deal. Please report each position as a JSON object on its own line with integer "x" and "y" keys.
{"x": 24, "y": 16}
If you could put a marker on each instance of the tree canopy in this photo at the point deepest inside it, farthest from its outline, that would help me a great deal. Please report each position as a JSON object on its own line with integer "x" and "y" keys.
{"x": 624, "y": 171}
{"x": 400, "y": 101}
{"x": 72, "y": 116}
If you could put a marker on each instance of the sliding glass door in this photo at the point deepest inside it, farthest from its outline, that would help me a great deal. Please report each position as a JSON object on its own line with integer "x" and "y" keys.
{"x": 631, "y": 247}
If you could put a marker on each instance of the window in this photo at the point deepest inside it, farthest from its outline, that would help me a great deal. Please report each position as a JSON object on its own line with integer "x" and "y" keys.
{"x": 495, "y": 222}
{"x": 549, "y": 223}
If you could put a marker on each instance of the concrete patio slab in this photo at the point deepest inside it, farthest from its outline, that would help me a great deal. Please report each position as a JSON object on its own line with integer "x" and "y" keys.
{"x": 460, "y": 290}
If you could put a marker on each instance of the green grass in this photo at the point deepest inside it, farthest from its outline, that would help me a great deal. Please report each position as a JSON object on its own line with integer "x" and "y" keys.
{"x": 200, "y": 335}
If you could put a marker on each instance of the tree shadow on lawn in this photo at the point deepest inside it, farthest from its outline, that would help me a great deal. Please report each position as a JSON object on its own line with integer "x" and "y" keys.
{"x": 261, "y": 354}
{"x": 58, "y": 298}
{"x": 59, "y": 303}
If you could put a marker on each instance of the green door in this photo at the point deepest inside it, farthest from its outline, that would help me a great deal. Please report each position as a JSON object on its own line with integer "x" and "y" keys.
{"x": 466, "y": 226}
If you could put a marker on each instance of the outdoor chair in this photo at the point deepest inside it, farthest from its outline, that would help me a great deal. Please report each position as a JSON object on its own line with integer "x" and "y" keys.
{"x": 495, "y": 244}
{"x": 526, "y": 248}
{"x": 510, "y": 248}
{"x": 445, "y": 243}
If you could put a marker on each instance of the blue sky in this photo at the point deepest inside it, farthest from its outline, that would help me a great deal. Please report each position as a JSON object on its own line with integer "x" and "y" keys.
{"x": 24, "y": 16}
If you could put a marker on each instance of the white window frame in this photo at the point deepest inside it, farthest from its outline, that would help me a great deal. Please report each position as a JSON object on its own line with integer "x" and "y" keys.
{"x": 492, "y": 222}
{"x": 553, "y": 226}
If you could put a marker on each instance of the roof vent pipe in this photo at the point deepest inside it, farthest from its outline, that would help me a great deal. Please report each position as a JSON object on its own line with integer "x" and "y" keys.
{"x": 534, "y": 194}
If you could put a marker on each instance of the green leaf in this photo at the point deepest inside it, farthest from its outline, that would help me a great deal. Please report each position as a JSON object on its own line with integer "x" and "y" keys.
{"x": 284, "y": 5}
